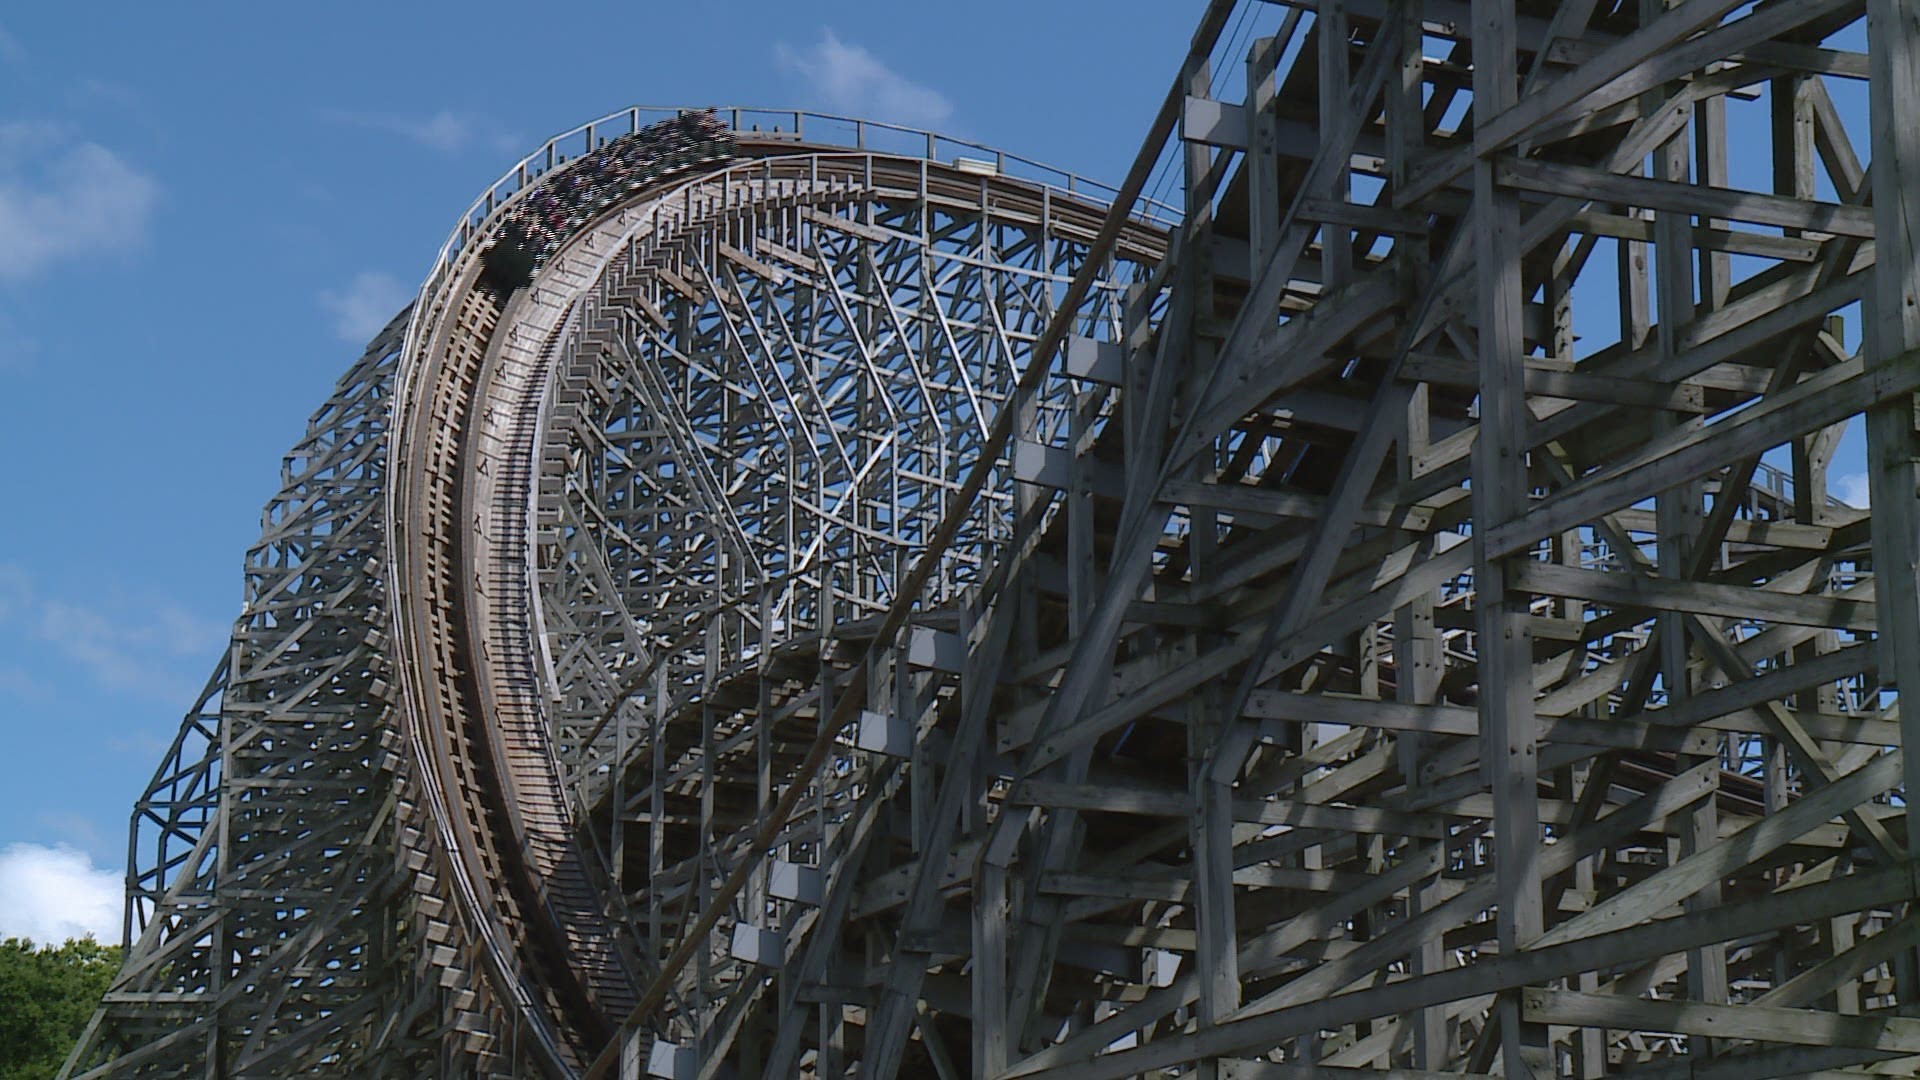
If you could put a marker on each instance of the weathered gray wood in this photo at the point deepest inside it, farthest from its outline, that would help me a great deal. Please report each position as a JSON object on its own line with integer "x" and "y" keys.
{"x": 1839, "y": 391}
{"x": 1511, "y": 971}
{"x": 1509, "y": 730}
{"x": 1701, "y": 869}
{"x": 1726, "y": 601}
{"x": 983, "y": 630}
{"x": 1759, "y": 1022}
{"x": 1893, "y": 332}
{"x": 1652, "y": 194}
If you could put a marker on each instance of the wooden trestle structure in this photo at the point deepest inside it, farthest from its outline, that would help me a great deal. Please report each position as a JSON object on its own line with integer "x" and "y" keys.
{"x": 874, "y": 606}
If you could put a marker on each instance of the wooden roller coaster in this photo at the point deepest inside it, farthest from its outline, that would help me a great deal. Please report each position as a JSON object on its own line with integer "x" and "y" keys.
{"x": 808, "y": 598}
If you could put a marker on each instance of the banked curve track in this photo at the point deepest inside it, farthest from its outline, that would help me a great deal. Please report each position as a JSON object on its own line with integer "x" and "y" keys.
{"x": 474, "y": 427}
{"x": 819, "y": 607}
{"x": 563, "y": 582}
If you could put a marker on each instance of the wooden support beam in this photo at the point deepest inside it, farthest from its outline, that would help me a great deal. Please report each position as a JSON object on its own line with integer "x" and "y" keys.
{"x": 1511, "y": 971}
{"x": 1594, "y": 185}
{"x": 1509, "y": 729}
{"x": 1761, "y": 1023}
{"x": 1619, "y": 590}
{"x": 1893, "y": 335}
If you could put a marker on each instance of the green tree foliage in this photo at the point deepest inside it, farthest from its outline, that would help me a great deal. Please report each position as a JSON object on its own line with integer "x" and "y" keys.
{"x": 47, "y": 992}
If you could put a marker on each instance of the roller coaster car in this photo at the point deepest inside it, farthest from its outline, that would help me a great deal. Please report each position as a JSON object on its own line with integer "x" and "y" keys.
{"x": 508, "y": 264}
{"x": 585, "y": 188}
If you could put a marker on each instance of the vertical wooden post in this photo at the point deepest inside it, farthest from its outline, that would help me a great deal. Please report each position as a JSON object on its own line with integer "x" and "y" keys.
{"x": 1893, "y": 332}
{"x": 1509, "y": 731}
{"x": 1331, "y": 32}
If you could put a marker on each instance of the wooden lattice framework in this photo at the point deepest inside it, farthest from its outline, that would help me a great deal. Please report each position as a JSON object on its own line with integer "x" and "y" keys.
{"x": 866, "y": 610}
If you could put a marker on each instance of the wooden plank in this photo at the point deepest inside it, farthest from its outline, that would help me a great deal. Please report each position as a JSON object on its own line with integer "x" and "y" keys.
{"x": 1627, "y": 590}
{"x": 1543, "y": 379}
{"x": 1761, "y": 1023}
{"x": 1759, "y": 245}
{"x": 1669, "y": 886}
{"x": 1510, "y": 970}
{"x": 1828, "y": 397}
{"x": 1117, "y": 799}
{"x": 1457, "y": 721}
{"x": 1603, "y": 187}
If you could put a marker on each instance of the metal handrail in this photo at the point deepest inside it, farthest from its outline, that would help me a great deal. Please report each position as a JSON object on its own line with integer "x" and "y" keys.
{"x": 802, "y": 126}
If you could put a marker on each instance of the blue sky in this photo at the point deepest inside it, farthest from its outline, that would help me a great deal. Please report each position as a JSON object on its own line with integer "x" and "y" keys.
{"x": 204, "y": 211}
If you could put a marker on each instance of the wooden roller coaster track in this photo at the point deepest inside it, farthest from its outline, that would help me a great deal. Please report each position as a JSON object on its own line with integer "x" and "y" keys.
{"x": 870, "y": 605}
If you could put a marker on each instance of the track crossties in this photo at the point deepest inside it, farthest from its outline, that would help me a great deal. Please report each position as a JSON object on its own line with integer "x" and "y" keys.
{"x": 1385, "y": 590}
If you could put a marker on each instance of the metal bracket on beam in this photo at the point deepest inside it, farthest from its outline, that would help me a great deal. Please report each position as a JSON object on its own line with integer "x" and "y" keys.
{"x": 1214, "y": 123}
{"x": 792, "y": 881}
{"x": 757, "y": 945}
{"x": 1095, "y": 361}
{"x": 937, "y": 650}
{"x": 884, "y": 734}
{"x": 672, "y": 1062}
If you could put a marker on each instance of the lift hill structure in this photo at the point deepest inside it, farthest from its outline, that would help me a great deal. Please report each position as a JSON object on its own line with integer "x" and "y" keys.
{"x": 1365, "y": 597}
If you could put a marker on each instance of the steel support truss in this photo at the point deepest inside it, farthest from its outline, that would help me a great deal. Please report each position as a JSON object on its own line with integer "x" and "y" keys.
{"x": 860, "y": 612}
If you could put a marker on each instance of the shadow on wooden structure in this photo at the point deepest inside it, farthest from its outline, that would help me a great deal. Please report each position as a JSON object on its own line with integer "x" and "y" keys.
{"x": 872, "y": 605}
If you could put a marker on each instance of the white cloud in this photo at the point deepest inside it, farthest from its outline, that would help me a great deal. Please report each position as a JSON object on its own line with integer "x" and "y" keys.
{"x": 851, "y": 80}
{"x": 446, "y": 131}
{"x": 18, "y": 682}
{"x": 109, "y": 650}
{"x": 62, "y": 198}
{"x": 11, "y": 51}
{"x": 1852, "y": 489}
{"x": 149, "y": 649}
{"x": 365, "y": 306}
{"x": 51, "y": 894}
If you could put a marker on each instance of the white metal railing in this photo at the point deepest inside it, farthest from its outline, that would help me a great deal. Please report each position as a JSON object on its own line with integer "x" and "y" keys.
{"x": 809, "y": 128}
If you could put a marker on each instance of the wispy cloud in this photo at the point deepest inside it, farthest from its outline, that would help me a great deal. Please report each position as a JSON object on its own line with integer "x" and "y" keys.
{"x": 12, "y": 52}
{"x": 117, "y": 655}
{"x": 71, "y": 827}
{"x": 145, "y": 649}
{"x": 1853, "y": 490}
{"x": 63, "y": 198}
{"x": 51, "y": 894}
{"x": 18, "y": 682}
{"x": 16, "y": 348}
{"x": 363, "y": 308}
{"x": 447, "y": 131}
{"x": 851, "y": 80}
